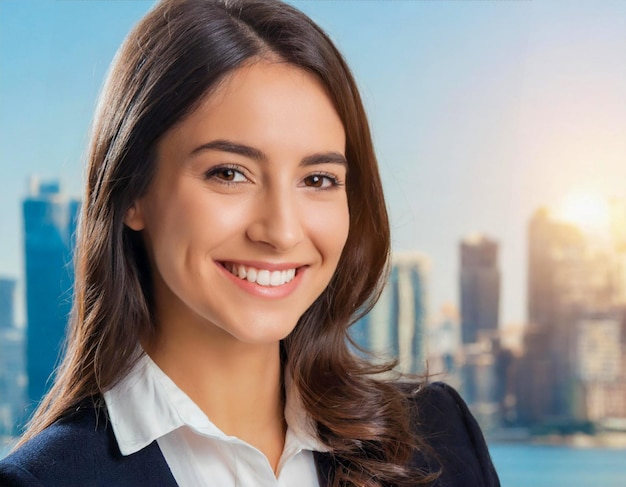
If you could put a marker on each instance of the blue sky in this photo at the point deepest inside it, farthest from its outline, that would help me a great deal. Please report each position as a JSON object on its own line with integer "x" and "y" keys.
{"x": 482, "y": 111}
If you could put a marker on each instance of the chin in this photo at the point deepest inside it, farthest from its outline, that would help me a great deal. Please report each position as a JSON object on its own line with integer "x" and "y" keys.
{"x": 263, "y": 333}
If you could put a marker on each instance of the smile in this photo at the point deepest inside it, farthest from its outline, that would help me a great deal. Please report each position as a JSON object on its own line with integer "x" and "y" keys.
{"x": 262, "y": 277}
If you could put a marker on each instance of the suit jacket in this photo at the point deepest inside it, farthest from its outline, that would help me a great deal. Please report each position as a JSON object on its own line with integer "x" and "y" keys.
{"x": 80, "y": 450}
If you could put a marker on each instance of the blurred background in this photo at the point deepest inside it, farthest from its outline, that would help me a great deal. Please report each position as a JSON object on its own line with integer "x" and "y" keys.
{"x": 500, "y": 128}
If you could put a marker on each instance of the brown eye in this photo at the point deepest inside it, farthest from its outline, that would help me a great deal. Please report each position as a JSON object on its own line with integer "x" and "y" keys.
{"x": 315, "y": 181}
{"x": 226, "y": 174}
{"x": 321, "y": 181}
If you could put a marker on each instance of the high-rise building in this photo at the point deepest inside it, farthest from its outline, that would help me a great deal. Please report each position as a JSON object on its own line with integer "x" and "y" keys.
{"x": 535, "y": 379}
{"x": 12, "y": 375}
{"x": 571, "y": 367}
{"x": 568, "y": 282}
{"x": 7, "y": 301}
{"x": 481, "y": 358}
{"x": 479, "y": 288}
{"x": 560, "y": 290}
{"x": 444, "y": 337}
{"x": 49, "y": 226}
{"x": 12, "y": 381}
{"x": 396, "y": 325}
{"x": 484, "y": 378}
{"x": 618, "y": 232}
{"x": 556, "y": 255}
{"x": 601, "y": 382}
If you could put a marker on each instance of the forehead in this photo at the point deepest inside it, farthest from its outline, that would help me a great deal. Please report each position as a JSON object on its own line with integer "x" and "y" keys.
{"x": 270, "y": 105}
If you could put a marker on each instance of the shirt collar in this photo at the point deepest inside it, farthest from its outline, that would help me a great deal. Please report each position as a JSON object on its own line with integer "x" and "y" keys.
{"x": 146, "y": 405}
{"x": 299, "y": 423}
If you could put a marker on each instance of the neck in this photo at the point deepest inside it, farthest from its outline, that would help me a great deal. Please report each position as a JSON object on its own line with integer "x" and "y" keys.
{"x": 237, "y": 385}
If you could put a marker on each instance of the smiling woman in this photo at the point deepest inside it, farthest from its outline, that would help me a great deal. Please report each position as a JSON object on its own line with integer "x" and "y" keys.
{"x": 245, "y": 184}
{"x": 233, "y": 228}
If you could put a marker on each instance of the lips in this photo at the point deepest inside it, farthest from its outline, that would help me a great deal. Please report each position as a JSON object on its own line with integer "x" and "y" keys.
{"x": 262, "y": 277}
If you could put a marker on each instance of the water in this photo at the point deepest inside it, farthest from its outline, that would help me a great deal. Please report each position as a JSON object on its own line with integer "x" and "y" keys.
{"x": 523, "y": 465}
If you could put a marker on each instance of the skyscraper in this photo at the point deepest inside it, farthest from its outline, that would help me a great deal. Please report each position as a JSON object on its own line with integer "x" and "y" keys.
{"x": 479, "y": 287}
{"x": 396, "y": 325}
{"x": 7, "y": 300}
{"x": 556, "y": 252}
{"x": 12, "y": 376}
{"x": 618, "y": 233}
{"x": 480, "y": 360}
{"x": 49, "y": 225}
{"x": 558, "y": 295}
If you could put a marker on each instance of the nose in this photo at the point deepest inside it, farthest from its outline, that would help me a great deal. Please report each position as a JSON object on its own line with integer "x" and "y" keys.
{"x": 277, "y": 220}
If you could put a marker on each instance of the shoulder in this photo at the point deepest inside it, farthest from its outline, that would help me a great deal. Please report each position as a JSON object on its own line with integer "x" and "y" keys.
{"x": 443, "y": 421}
{"x": 77, "y": 450}
{"x": 62, "y": 447}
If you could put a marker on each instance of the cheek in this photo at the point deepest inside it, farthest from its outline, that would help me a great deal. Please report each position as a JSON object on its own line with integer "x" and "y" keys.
{"x": 329, "y": 228}
{"x": 190, "y": 218}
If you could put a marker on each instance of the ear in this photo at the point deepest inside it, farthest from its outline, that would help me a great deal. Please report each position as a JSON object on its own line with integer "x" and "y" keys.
{"x": 134, "y": 217}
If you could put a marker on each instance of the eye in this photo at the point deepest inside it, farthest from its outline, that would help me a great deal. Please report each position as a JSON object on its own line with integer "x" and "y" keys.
{"x": 226, "y": 174}
{"x": 321, "y": 181}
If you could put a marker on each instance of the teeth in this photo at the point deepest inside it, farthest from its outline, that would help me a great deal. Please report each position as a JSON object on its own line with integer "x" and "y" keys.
{"x": 251, "y": 274}
{"x": 276, "y": 278}
{"x": 262, "y": 277}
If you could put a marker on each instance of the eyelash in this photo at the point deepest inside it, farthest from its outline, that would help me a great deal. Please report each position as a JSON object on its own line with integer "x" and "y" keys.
{"x": 214, "y": 172}
{"x": 334, "y": 181}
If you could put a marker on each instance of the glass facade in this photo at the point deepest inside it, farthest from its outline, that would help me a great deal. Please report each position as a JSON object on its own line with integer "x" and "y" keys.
{"x": 49, "y": 226}
{"x": 479, "y": 288}
{"x": 7, "y": 300}
{"x": 12, "y": 376}
{"x": 396, "y": 325}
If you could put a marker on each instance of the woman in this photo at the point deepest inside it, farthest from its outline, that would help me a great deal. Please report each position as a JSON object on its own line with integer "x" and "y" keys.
{"x": 233, "y": 228}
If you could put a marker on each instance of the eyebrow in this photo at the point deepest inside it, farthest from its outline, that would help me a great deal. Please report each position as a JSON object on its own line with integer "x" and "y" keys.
{"x": 222, "y": 145}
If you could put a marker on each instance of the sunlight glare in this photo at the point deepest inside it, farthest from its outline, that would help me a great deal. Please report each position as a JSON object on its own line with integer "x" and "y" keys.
{"x": 586, "y": 210}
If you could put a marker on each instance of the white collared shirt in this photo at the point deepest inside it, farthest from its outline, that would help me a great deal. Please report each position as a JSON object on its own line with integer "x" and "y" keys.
{"x": 147, "y": 405}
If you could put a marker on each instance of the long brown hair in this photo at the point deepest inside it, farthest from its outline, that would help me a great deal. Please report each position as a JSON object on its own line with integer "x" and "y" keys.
{"x": 167, "y": 65}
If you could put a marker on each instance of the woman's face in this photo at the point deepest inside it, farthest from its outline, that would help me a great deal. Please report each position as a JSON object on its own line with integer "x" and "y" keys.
{"x": 247, "y": 215}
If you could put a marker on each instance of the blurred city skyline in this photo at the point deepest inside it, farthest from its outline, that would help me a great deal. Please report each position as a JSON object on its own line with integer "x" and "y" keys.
{"x": 481, "y": 113}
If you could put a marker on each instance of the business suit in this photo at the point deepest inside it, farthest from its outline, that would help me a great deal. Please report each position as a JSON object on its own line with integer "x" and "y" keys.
{"x": 80, "y": 450}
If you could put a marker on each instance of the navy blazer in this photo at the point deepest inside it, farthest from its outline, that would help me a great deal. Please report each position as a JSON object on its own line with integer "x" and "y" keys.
{"x": 80, "y": 450}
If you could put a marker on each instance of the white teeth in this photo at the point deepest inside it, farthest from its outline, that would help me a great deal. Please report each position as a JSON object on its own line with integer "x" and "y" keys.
{"x": 241, "y": 272}
{"x": 251, "y": 274}
{"x": 262, "y": 277}
{"x": 276, "y": 278}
